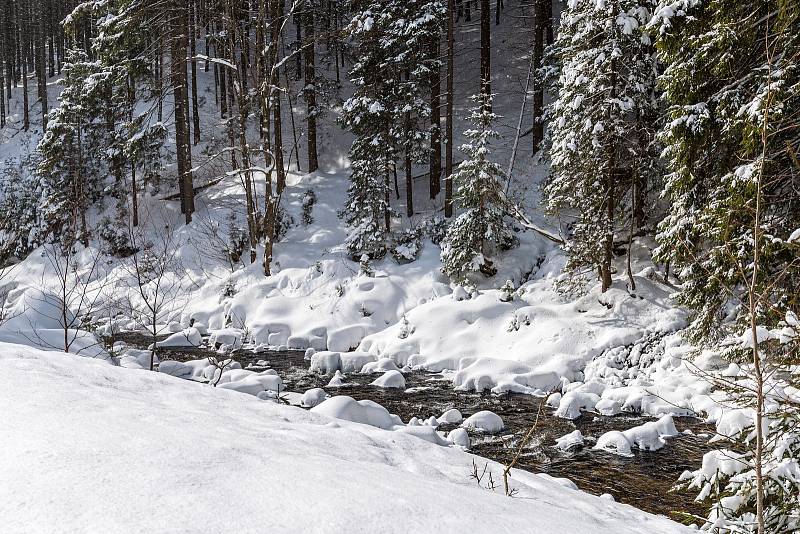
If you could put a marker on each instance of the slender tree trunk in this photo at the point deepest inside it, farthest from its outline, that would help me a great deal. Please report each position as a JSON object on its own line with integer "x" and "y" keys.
{"x": 435, "y": 167}
{"x": 448, "y": 154}
{"x": 275, "y": 101}
{"x": 609, "y": 200}
{"x": 538, "y": 84}
{"x": 310, "y": 90}
{"x": 409, "y": 177}
{"x": 41, "y": 68}
{"x": 193, "y": 52}
{"x": 178, "y": 76}
{"x": 486, "y": 52}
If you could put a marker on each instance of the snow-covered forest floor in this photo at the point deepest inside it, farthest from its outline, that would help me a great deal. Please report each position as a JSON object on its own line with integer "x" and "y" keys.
{"x": 95, "y": 443}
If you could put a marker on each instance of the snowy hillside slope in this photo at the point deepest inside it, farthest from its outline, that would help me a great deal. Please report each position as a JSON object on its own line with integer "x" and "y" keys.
{"x": 104, "y": 449}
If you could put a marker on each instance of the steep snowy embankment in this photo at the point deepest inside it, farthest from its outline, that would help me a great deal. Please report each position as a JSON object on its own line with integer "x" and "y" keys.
{"x": 98, "y": 448}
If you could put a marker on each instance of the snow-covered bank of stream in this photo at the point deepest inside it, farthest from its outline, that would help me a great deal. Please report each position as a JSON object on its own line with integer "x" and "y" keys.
{"x": 142, "y": 451}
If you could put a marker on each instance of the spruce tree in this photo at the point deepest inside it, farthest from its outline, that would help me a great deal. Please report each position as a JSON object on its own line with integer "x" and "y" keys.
{"x": 388, "y": 108}
{"x": 732, "y": 81}
{"x": 601, "y": 124}
{"x": 479, "y": 232}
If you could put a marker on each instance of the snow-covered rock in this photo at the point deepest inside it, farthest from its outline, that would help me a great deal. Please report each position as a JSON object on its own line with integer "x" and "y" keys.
{"x": 227, "y": 339}
{"x": 390, "y": 379}
{"x": 313, "y": 397}
{"x": 460, "y": 437}
{"x": 365, "y": 412}
{"x": 255, "y": 384}
{"x": 452, "y": 416}
{"x": 649, "y": 436}
{"x": 174, "y": 368}
{"x": 190, "y": 337}
{"x": 574, "y": 402}
{"x": 484, "y": 420}
{"x": 379, "y": 366}
{"x": 325, "y": 362}
{"x": 337, "y": 380}
{"x": 346, "y": 338}
{"x": 568, "y": 441}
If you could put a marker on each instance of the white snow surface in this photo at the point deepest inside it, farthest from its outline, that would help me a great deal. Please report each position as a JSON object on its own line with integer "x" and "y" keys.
{"x": 147, "y": 452}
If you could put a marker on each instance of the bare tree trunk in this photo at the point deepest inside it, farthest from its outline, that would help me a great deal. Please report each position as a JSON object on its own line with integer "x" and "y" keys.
{"x": 448, "y": 154}
{"x": 180, "y": 97}
{"x": 275, "y": 101}
{"x": 538, "y": 87}
{"x": 41, "y": 72}
{"x": 310, "y": 90}
{"x": 610, "y": 208}
{"x": 435, "y": 167}
{"x": 486, "y": 53}
{"x": 193, "y": 52}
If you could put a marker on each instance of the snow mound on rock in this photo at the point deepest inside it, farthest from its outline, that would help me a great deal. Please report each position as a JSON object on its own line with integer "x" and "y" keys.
{"x": 380, "y": 366}
{"x": 390, "y": 379}
{"x": 649, "y": 436}
{"x": 484, "y": 420}
{"x": 365, "y": 412}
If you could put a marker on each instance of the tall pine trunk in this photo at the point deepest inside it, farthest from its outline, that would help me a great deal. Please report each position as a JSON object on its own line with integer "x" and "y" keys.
{"x": 310, "y": 89}
{"x": 538, "y": 83}
{"x": 178, "y": 76}
{"x": 435, "y": 168}
{"x": 448, "y": 154}
{"x": 486, "y": 52}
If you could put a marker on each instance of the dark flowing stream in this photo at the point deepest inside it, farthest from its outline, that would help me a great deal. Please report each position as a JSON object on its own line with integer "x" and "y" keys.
{"x": 643, "y": 480}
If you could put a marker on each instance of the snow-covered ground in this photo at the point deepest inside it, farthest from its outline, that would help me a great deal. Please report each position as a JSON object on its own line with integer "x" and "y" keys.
{"x": 91, "y": 447}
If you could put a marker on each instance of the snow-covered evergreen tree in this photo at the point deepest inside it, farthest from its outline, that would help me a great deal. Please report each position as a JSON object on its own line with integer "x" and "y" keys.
{"x": 480, "y": 230}
{"x": 601, "y": 125}
{"x": 720, "y": 87}
{"x": 387, "y": 108}
{"x": 732, "y": 82}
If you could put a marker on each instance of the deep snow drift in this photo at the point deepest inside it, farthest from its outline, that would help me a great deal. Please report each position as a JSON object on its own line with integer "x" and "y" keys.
{"x": 106, "y": 449}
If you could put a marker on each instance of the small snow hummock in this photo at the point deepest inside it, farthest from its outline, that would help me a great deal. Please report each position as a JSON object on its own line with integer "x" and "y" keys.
{"x": 484, "y": 420}
{"x": 573, "y": 402}
{"x": 390, "y": 379}
{"x": 337, "y": 380}
{"x": 568, "y": 441}
{"x": 649, "y": 436}
{"x": 325, "y": 362}
{"x": 313, "y": 397}
{"x": 365, "y": 412}
{"x": 185, "y": 338}
{"x": 380, "y": 366}
{"x": 459, "y": 437}
{"x": 451, "y": 416}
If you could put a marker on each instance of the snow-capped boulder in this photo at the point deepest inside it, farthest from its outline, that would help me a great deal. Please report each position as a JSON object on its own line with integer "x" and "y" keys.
{"x": 313, "y": 397}
{"x": 353, "y": 362}
{"x": 451, "y": 416}
{"x": 390, "y": 379}
{"x": 568, "y": 441}
{"x": 365, "y": 412}
{"x": 297, "y": 342}
{"x": 227, "y": 339}
{"x": 484, "y": 420}
{"x": 337, "y": 380}
{"x": 325, "y": 362}
{"x": 608, "y": 407}
{"x": 179, "y": 369}
{"x": 255, "y": 384}
{"x": 459, "y": 436}
{"x": 380, "y": 366}
{"x": 346, "y": 338}
{"x": 190, "y": 337}
{"x": 573, "y": 402}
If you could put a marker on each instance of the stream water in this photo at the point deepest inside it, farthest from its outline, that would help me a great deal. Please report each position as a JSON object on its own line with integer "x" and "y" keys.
{"x": 643, "y": 480}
